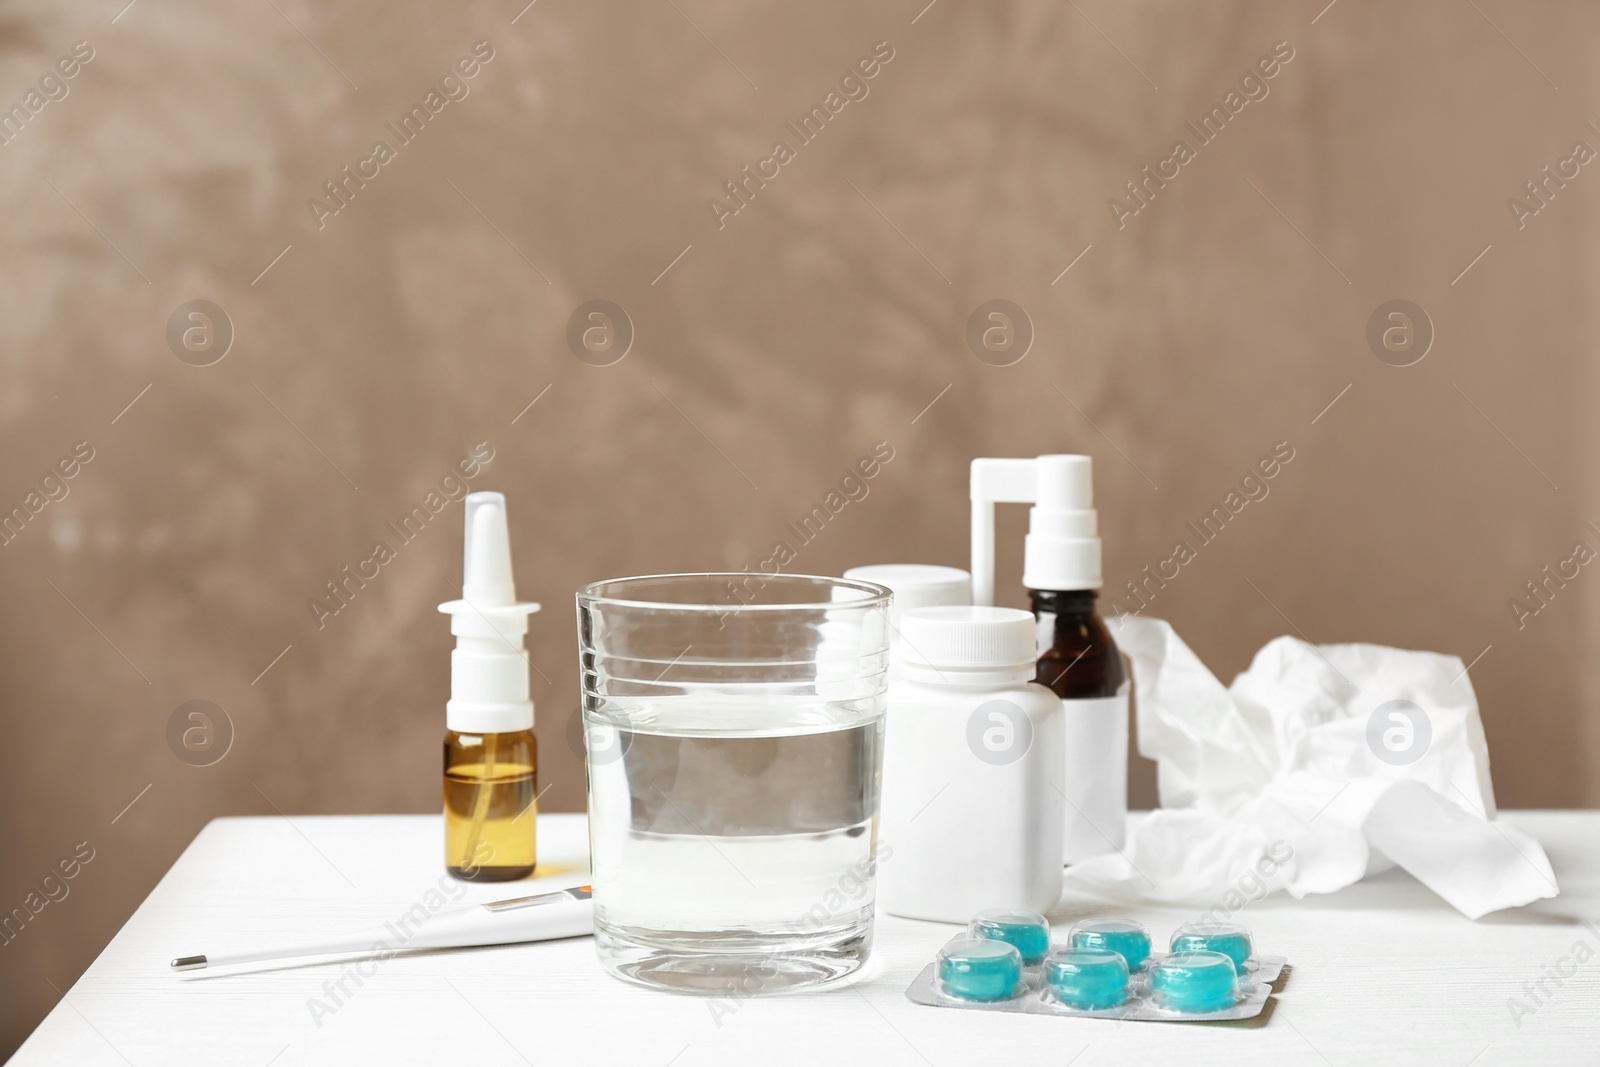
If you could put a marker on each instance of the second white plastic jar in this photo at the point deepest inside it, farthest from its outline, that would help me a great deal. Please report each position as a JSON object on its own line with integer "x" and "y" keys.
{"x": 972, "y": 802}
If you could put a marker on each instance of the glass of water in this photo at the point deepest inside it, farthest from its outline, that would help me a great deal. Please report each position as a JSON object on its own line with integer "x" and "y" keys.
{"x": 734, "y": 728}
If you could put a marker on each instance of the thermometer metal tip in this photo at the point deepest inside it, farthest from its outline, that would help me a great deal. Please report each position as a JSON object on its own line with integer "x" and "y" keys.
{"x": 189, "y": 963}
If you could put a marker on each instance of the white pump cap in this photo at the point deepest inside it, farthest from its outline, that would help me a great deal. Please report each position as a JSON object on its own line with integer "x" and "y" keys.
{"x": 916, "y": 585}
{"x": 968, "y": 638}
{"x": 1062, "y": 551}
{"x": 488, "y": 668}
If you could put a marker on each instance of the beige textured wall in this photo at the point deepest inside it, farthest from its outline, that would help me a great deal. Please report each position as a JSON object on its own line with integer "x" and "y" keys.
{"x": 821, "y": 319}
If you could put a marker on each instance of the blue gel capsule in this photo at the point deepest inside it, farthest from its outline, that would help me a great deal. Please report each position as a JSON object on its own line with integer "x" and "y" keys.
{"x": 1124, "y": 936}
{"x": 1195, "y": 982}
{"x": 1090, "y": 979}
{"x": 1027, "y": 931}
{"x": 1230, "y": 939}
{"x": 974, "y": 969}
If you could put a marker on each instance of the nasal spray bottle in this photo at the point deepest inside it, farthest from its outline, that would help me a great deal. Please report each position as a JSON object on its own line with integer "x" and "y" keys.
{"x": 1078, "y": 660}
{"x": 490, "y": 755}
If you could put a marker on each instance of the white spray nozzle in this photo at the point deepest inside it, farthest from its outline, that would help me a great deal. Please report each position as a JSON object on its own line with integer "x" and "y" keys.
{"x": 486, "y": 575}
{"x": 488, "y": 668}
{"x": 1062, "y": 551}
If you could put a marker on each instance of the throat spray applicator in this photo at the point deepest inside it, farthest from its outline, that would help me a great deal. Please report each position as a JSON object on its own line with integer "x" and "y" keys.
{"x": 490, "y": 754}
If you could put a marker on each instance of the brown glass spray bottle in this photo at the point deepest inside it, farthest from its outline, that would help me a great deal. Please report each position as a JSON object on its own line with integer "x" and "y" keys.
{"x": 1078, "y": 659}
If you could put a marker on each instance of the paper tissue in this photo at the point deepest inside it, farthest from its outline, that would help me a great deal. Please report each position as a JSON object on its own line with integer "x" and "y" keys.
{"x": 1318, "y": 765}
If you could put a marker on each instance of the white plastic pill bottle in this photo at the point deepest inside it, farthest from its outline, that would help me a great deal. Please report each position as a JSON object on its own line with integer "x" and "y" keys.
{"x": 974, "y": 756}
{"x": 914, "y": 585}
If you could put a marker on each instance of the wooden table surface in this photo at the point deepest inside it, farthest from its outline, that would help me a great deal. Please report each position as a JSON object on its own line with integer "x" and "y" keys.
{"x": 1383, "y": 972}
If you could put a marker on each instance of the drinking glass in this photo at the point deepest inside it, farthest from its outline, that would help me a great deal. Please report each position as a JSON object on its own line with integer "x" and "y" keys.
{"x": 734, "y": 731}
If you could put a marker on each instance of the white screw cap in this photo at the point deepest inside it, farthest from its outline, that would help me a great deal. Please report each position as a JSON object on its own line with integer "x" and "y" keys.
{"x": 916, "y": 585}
{"x": 968, "y": 638}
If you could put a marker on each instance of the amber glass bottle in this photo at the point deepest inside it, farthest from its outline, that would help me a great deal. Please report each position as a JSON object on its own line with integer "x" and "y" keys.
{"x": 1078, "y": 660}
{"x": 490, "y": 804}
{"x": 1080, "y": 663}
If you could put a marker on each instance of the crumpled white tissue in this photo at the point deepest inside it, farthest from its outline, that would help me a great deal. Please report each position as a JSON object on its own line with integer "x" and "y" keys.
{"x": 1271, "y": 783}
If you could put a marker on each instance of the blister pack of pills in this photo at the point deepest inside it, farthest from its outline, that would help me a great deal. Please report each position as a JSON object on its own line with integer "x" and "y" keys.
{"x": 1106, "y": 969}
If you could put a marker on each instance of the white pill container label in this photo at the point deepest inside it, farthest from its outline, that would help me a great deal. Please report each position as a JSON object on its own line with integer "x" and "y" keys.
{"x": 1096, "y": 783}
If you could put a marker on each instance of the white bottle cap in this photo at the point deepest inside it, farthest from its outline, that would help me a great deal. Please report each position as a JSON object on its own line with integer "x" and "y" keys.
{"x": 488, "y": 667}
{"x": 968, "y": 638}
{"x": 916, "y": 585}
{"x": 1062, "y": 550}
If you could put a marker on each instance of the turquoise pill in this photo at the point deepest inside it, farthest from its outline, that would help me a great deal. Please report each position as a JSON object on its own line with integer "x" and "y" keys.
{"x": 1230, "y": 939}
{"x": 1195, "y": 982}
{"x": 975, "y": 969}
{"x": 1090, "y": 979}
{"x": 1123, "y": 936}
{"x": 1027, "y": 931}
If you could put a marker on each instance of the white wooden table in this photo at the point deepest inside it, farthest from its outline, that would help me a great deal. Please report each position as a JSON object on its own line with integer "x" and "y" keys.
{"x": 1383, "y": 972}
